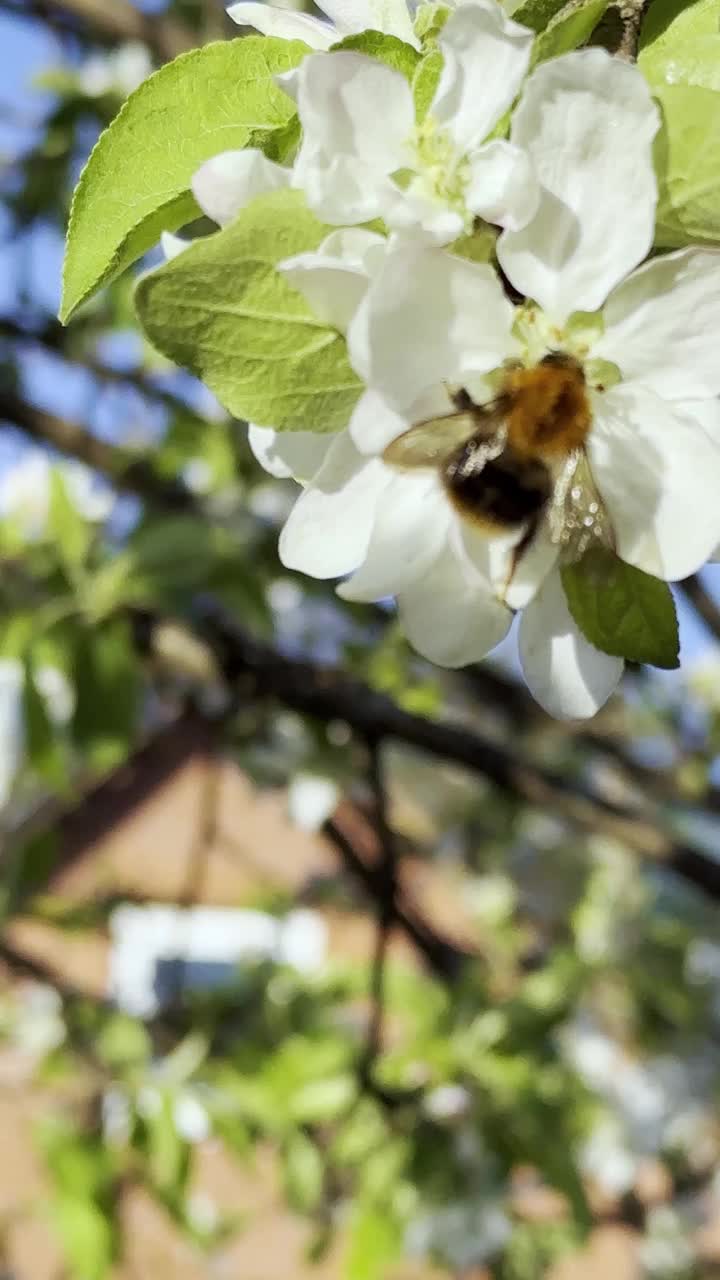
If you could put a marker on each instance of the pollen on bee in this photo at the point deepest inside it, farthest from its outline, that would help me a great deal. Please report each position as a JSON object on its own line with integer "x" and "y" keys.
{"x": 549, "y": 413}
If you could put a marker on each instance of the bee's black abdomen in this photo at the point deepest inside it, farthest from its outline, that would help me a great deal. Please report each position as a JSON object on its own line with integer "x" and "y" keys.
{"x": 502, "y": 491}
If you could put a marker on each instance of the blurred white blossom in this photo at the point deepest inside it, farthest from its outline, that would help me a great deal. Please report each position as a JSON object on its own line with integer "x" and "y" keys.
{"x": 121, "y": 70}
{"x": 465, "y": 1234}
{"x": 311, "y": 800}
{"x": 666, "y": 1252}
{"x": 58, "y": 695}
{"x": 25, "y": 490}
{"x": 448, "y": 1102}
{"x": 38, "y": 1025}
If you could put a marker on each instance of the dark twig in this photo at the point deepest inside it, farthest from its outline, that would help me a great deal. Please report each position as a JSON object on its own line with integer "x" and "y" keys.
{"x": 253, "y": 668}
{"x": 110, "y": 21}
{"x": 127, "y": 472}
{"x": 386, "y": 906}
{"x": 352, "y": 839}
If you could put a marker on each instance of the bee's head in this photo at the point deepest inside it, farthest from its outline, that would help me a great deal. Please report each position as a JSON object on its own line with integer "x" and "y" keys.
{"x": 563, "y": 360}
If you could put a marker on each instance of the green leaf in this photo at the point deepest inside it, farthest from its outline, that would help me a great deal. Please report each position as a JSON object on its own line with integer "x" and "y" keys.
{"x": 107, "y": 683}
{"x": 137, "y": 180}
{"x": 687, "y": 162}
{"x": 479, "y": 246}
{"x": 430, "y": 20}
{"x": 86, "y": 1234}
{"x": 123, "y": 1042}
{"x": 167, "y": 1152}
{"x": 43, "y": 743}
{"x": 622, "y": 610}
{"x": 538, "y": 14}
{"x": 425, "y": 82}
{"x": 571, "y": 27}
{"x": 680, "y": 58}
{"x": 304, "y": 1173}
{"x": 393, "y": 52}
{"x": 375, "y": 1242}
{"x": 321, "y": 1101}
{"x": 174, "y": 554}
{"x": 680, "y": 43}
{"x": 68, "y": 530}
{"x": 221, "y": 310}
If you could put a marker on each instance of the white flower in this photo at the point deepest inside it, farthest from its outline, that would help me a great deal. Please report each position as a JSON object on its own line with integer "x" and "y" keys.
{"x": 59, "y": 697}
{"x": 646, "y": 472}
{"x": 311, "y": 800}
{"x": 363, "y": 156}
{"x": 116, "y": 1116}
{"x": 39, "y": 1027}
{"x": 345, "y": 17}
{"x": 606, "y": 1157}
{"x": 666, "y": 1252}
{"x": 191, "y": 1118}
{"x": 465, "y": 1234}
{"x": 197, "y": 475}
{"x": 202, "y": 1213}
{"x": 121, "y": 70}
{"x": 25, "y": 489}
{"x": 448, "y": 1102}
{"x": 12, "y": 737}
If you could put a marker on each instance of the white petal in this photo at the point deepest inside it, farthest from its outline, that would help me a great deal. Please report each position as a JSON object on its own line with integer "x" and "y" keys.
{"x": 334, "y": 278}
{"x": 566, "y": 674}
{"x": 272, "y": 21}
{"x": 410, "y": 529}
{"x": 374, "y": 424}
{"x": 706, "y": 412}
{"x": 486, "y": 57}
{"x": 12, "y": 724}
{"x": 328, "y": 530}
{"x": 285, "y": 454}
{"x": 428, "y": 317}
{"x": 418, "y": 214}
{"x": 527, "y": 576}
{"x": 503, "y": 186}
{"x": 662, "y": 325}
{"x": 225, "y": 183}
{"x": 356, "y": 246}
{"x": 356, "y": 116}
{"x": 450, "y": 614}
{"x": 658, "y": 473}
{"x": 172, "y": 245}
{"x": 587, "y": 122}
{"x": 390, "y": 16}
{"x": 332, "y": 289}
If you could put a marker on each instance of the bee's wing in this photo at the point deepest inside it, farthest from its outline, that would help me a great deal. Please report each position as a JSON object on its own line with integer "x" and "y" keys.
{"x": 428, "y": 443}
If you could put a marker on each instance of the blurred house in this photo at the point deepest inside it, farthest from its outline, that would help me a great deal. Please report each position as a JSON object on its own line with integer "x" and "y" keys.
{"x": 173, "y": 835}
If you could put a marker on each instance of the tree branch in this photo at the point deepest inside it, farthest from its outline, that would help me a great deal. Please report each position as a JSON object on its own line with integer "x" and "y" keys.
{"x": 386, "y": 909}
{"x": 52, "y": 337}
{"x": 125, "y": 470}
{"x": 327, "y": 694}
{"x": 353, "y": 840}
{"x": 113, "y": 20}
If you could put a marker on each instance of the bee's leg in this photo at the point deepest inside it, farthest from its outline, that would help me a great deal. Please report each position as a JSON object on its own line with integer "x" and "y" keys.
{"x": 519, "y": 550}
{"x": 462, "y": 400}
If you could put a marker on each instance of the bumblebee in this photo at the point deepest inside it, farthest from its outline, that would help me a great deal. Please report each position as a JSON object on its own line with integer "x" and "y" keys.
{"x": 498, "y": 462}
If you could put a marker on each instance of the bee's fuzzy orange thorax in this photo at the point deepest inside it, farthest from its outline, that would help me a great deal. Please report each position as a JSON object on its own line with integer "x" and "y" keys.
{"x": 549, "y": 414}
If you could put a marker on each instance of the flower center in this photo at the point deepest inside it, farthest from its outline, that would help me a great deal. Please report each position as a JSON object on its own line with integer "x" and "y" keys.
{"x": 443, "y": 171}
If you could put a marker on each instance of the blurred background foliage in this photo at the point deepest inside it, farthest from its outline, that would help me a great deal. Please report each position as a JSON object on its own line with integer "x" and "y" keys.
{"x": 487, "y": 1090}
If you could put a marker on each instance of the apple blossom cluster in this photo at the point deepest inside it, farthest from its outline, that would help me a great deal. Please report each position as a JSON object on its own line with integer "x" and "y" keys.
{"x": 498, "y": 215}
